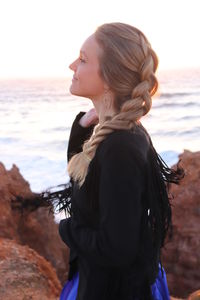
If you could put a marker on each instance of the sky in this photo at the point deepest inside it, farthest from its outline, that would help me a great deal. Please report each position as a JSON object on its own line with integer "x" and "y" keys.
{"x": 40, "y": 38}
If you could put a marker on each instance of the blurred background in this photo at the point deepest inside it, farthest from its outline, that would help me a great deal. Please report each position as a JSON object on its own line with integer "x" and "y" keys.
{"x": 39, "y": 39}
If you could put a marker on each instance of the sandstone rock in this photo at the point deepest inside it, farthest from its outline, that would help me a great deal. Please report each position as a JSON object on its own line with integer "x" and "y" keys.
{"x": 181, "y": 257}
{"x": 195, "y": 296}
{"x": 11, "y": 184}
{"x": 25, "y": 274}
{"x": 36, "y": 229}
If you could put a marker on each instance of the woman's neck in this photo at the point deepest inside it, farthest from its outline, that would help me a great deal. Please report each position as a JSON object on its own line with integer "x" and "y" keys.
{"x": 104, "y": 108}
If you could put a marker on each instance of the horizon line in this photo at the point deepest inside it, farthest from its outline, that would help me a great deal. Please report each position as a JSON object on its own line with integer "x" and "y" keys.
{"x": 68, "y": 76}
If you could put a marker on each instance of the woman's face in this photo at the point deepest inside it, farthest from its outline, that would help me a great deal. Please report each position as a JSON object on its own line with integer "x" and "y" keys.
{"x": 86, "y": 81}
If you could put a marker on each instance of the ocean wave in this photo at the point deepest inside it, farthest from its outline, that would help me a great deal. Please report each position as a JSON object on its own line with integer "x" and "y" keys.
{"x": 178, "y": 94}
{"x": 56, "y": 129}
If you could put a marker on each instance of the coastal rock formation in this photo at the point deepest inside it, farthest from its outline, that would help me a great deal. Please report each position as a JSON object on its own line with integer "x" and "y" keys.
{"x": 193, "y": 296}
{"x": 37, "y": 229}
{"x": 181, "y": 256}
{"x": 25, "y": 274}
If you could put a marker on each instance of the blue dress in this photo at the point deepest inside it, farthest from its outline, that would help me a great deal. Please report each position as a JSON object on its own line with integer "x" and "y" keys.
{"x": 159, "y": 289}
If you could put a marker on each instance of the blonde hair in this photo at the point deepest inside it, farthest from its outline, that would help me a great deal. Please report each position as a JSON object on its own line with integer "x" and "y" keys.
{"x": 127, "y": 65}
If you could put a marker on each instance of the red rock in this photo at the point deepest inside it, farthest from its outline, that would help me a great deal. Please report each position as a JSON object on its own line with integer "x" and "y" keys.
{"x": 36, "y": 229}
{"x": 25, "y": 274}
{"x": 195, "y": 296}
{"x": 181, "y": 256}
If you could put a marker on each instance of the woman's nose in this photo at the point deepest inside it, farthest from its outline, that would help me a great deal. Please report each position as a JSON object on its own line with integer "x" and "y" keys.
{"x": 72, "y": 66}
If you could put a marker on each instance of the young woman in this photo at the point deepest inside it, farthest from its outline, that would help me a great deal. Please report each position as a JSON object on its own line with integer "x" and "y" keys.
{"x": 119, "y": 207}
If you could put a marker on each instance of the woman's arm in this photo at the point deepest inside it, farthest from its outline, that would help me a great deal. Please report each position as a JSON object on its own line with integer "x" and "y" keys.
{"x": 78, "y": 136}
{"x": 120, "y": 192}
{"x": 79, "y": 133}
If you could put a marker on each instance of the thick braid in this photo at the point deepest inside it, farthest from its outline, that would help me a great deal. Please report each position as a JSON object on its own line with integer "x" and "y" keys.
{"x": 99, "y": 134}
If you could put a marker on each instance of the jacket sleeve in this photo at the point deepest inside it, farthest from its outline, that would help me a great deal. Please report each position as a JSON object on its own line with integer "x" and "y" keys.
{"x": 78, "y": 136}
{"x": 116, "y": 241}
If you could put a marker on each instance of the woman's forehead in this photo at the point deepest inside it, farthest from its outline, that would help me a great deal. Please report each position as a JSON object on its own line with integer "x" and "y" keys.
{"x": 90, "y": 47}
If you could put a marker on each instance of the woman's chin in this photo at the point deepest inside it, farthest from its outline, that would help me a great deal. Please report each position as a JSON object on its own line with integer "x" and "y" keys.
{"x": 76, "y": 92}
{"x": 73, "y": 90}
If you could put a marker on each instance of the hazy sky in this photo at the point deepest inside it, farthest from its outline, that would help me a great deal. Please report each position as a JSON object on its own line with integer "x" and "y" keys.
{"x": 41, "y": 37}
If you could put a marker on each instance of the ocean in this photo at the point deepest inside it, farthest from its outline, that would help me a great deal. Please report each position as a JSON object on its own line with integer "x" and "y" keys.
{"x": 36, "y": 116}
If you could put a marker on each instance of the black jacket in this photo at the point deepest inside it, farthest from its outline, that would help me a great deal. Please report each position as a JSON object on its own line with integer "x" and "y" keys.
{"x": 110, "y": 240}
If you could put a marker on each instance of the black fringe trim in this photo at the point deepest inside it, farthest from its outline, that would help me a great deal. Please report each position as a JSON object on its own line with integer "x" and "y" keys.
{"x": 56, "y": 198}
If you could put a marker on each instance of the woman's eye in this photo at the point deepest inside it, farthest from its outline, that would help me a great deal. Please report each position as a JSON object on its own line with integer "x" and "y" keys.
{"x": 81, "y": 59}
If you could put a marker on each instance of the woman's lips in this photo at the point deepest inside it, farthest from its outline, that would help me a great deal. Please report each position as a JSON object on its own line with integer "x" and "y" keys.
{"x": 74, "y": 78}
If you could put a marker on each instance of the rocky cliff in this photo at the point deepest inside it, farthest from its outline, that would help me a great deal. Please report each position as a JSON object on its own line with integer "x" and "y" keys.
{"x": 35, "y": 229}
{"x": 25, "y": 274}
{"x": 181, "y": 256}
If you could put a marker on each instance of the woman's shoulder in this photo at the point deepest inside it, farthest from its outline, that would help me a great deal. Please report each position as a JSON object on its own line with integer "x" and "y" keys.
{"x": 135, "y": 141}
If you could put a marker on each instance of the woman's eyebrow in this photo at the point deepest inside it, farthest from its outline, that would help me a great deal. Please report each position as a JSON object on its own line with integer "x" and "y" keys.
{"x": 83, "y": 52}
